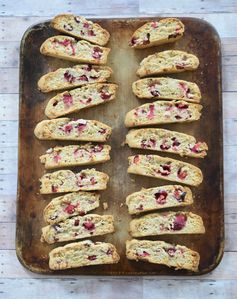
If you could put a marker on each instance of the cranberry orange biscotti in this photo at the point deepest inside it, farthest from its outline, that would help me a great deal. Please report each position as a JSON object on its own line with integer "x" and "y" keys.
{"x": 163, "y": 112}
{"x": 69, "y": 48}
{"x": 69, "y": 205}
{"x": 159, "y": 198}
{"x": 62, "y": 181}
{"x": 167, "y": 223}
{"x": 67, "y": 129}
{"x": 78, "y": 227}
{"x": 81, "y": 28}
{"x": 80, "y": 98}
{"x": 157, "y": 33}
{"x": 166, "y": 62}
{"x": 165, "y": 168}
{"x": 166, "y": 88}
{"x": 70, "y": 77}
{"x": 166, "y": 141}
{"x": 162, "y": 253}
{"x": 75, "y": 155}
{"x": 80, "y": 254}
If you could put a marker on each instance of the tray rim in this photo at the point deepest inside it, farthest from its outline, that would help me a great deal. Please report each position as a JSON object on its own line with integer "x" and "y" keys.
{"x": 220, "y": 255}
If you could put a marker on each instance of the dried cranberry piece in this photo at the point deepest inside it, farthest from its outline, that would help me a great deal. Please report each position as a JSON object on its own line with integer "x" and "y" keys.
{"x": 77, "y": 19}
{"x": 179, "y": 195}
{"x": 89, "y": 225}
{"x": 181, "y": 106}
{"x": 91, "y": 32}
{"x": 180, "y": 66}
{"x": 182, "y": 174}
{"x": 88, "y": 100}
{"x": 76, "y": 222}
{"x": 57, "y": 157}
{"x": 69, "y": 77}
{"x": 155, "y": 93}
{"x": 67, "y": 99}
{"x": 55, "y": 103}
{"x": 196, "y": 148}
{"x": 57, "y": 227}
{"x": 161, "y": 197}
{"x": 133, "y": 41}
{"x": 136, "y": 159}
{"x": 80, "y": 127}
{"x": 92, "y": 257}
{"x": 166, "y": 169}
{"x": 102, "y": 131}
{"x": 68, "y": 27}
{"x": 83, "y": 78}
{"x": 54, "y": 188}
{"x": 146, "y": 40}
{"x": 82, "y": 213}
{"x": 178, "y": 116}
{"x": 184, "y": 88}
{"x": 164, "y": 146}
{"x": 171, "y": 251}
{"x": 98, "y": 148}
{"x": 94, "y": 77}
{"x": 179, "y": 222}
{"x": 175, "y": 141}
{"x": 105, "y": 95}
{"x": 97, "y": 53}
{"x": 88, "y": 68}
{"x": 151, "y": 114}
{"x": 173, "y": 35}
{"x": 143, "y": 254}
{"x": 152, "y": 142}
{"x": 70, "y": 209}
{"x": 68, "y": 128}
{"x": 154, "y": 24}
{"x": 93, "y": 181}
{"x": 140, "y": 207}
{"x": 109, "y": 251}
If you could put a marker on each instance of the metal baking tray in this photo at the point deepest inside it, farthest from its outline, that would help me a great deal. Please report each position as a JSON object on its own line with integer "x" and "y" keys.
{"x": 201, "y": 39}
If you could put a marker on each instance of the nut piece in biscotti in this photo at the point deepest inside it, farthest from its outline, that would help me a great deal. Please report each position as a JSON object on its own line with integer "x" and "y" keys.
{"x": 159, "y": 198}
{"x": 165, "y": 169}
{"x": 156, "y": 33}
{"x": 69, "y": 205}
{"x": 80, "y": 98}
{"x": 70, "y": 77}
{"x": 162, "y": 253}
{"x": 78, "y": 227}
{"x": 75, "y": 155}
{"x": 166, "y": 88}
{"x": 62, "y": 181}
{"x": 163, "y": 112}
{"x": 67, "y": 129}
{"x": 80, "y": 254}
{"x": 81, "y": 28}
{"x": 166, "y": 62}
{"x": 166, "y": 141}
{"x": 167, "y": 223}
{"x": 68, "y": 48}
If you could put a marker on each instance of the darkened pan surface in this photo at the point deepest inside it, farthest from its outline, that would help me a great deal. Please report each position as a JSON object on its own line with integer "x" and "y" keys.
{"x": 201, "y": 39}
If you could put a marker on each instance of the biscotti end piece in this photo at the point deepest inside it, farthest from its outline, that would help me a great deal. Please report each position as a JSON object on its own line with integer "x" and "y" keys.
{"x": 78, "y": 227}
{"x": 167, "y": 62}
{"x": 162, "y": 253}
{"x": 81, "y": 28}
{"x": 80, "y": 98}
{"x": 62, "y": 181}
{"x": 68, "y": 48}
{"x": 75, "y": 76}
{"x": 165, "y": 168}
{"x": 166, "y": 141}
{"x": 163, "y": 112}
{"x": 158, "y": 198}
{"x": 75, "y": 155}
{"x": 67, "y": 129}
{"x": 155, "y": 33}
{"x": 167, "y": 223}
{"x": 70, "y": 205}
{"x": 85, "y": 253}
{"x": 166, "y": 88}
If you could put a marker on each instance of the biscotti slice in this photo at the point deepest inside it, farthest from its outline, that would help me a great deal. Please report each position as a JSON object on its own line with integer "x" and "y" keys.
{"x": 70, "y": 77}
{"x": 165, "y": 169}
{"x": 167, "y": 223}
{"x": 166, "y": 62}
{"x": 78, "y": 227}
{"x": 68, "y": 48}
{"x": 67, "y": 129}
{"x": 80, "y": 98}
{"x": 159, "y": 198}
{"x": 162, "y": 253}
{"x": 166, "y": 88}
{"x": 69, "y": 205}
{"x": 75, "y": 155}
{"x": 81, "y": 28}
{"x": 163, "y": 112}
{"x": 166, "y": 141}
{"x": 80, "y": 254}
{"x": 62, "y": 181}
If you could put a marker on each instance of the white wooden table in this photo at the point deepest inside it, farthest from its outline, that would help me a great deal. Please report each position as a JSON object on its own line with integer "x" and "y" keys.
{"x": 15, "y": 281}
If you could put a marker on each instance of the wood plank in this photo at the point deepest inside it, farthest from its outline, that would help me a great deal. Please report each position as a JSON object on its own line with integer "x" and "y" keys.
{"x": 192, "y": 7}
{"x": 8, "y": 184}
{"x": 9, "y": 106}
{"x": 8, "y": 208}
{"x": 11, "y": 268}
{"x": 48, "y": 8}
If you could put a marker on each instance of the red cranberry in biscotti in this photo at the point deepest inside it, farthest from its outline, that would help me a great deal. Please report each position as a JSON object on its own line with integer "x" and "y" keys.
{"x": 179, "y": 222}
